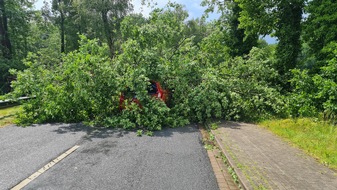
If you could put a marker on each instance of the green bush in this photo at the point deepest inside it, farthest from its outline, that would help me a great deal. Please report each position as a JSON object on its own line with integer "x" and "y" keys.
{"x": 314, "y": 94}
{"x": 69, "y": 92}
{"x": 252, "y": 93}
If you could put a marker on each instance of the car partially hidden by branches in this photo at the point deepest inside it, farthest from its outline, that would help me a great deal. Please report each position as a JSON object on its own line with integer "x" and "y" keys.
{"x": 154, "y": 90}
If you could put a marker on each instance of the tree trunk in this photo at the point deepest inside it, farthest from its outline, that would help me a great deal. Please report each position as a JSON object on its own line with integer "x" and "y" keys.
{"x": 62, "y": 32}
{"x": 6, "y": 46}
{"x": 241, "y": 43}
{"x": 289, "y": 35}
{"x": 108, "y": 33}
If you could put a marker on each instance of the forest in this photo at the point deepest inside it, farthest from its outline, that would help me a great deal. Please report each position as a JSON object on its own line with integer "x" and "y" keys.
{"x": 76, "y": 57}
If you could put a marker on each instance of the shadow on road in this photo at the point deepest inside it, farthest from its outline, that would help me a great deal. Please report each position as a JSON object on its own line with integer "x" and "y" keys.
{"x": 168, "y": 132}
{"x": 91, "y": 132}
{"x": 102, "y": 133}
{"x": 230, "y": 124}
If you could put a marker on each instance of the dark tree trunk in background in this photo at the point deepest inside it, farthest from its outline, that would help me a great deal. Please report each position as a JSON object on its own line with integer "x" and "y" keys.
{"x": 241, "y": 44}
{"x": 289, "y": 34}
{"x": 108, "y": 32}
{"x": 62, "y": 33}
{"x": 62, "y": 29}
{"x": 6, "y": 46}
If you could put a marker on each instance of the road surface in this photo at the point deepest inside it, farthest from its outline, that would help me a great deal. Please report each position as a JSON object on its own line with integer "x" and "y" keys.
{"x": 106, "y": 158}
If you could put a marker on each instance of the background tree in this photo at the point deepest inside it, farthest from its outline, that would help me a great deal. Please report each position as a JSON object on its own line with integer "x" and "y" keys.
{"x": 61, "y": 9}
{"x": 110, "y": 14}
{"x": 282, "y": 18}
{"x": 238, "y": 41}
{"x": 6, "y": 46}
{"x": 130, "y": 24}
{"x": 15, "y": 16}
{"x": 198, "y": 29}
{"x": 288, "y": 31}
{"x": 44, "y": 41}
{"x": 320, "y": 30}
{"x": 241, "y": 43}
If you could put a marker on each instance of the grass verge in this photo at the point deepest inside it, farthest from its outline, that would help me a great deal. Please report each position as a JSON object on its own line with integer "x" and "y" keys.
{"x": 7, "y": 115}
{"x": 318, "y": 139}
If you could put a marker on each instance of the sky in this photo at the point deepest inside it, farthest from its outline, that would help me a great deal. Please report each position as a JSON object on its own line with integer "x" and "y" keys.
{"x": 195, "y": 10}
{"x": 193, "y": 7}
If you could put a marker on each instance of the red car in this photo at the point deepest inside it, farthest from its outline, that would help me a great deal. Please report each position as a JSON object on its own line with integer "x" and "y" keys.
{"x": 154, "y": 90}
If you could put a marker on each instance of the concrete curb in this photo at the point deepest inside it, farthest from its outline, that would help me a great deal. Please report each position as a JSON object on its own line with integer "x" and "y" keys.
{"x": 242, "y": 180}
{"x": 224, "y": 179}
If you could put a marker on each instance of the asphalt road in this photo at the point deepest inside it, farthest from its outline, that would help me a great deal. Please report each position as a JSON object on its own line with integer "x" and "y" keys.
{"x": 106, "y": 159}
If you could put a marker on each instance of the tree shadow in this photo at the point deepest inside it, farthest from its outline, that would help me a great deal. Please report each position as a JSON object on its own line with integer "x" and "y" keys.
{"x": 168, "y": 132}
{"x": 91, "y": 132}
{"x": 70, "y": 128}
{"x": 6, "y": 116}
{"x": 102, "y": 133}
{"x": 230, "y": 124}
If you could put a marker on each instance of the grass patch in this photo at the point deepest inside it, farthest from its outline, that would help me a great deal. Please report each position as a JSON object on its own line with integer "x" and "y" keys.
{"x": 318, "y": 139}
{"x": 7, "y": 115}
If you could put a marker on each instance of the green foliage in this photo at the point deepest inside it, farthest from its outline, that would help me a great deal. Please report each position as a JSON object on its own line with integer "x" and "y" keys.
{"x": 99, "y": 19}
{"x": 139, "y": 133}
{"x": 86, "y": 85}
{"x": 203, "y": 81}
{"x": 209, "y": 99}
{"x": 288, "y": 31}
{"x": 6, "y": 78}
{"x": 251, "y": 86}
{"x": 319, "y": 28}
{"x": 198, "y": 28}
{"x": 316, "y": 93}
{"x": 214, "y": 126}
{"x": 149, "y": 133}
{"x": 67, "y": 92}
{"x": 19, "y": 13}
{"x": 258, "y": 16}
{"x": 219, "y": 51}
{"x": 238, "y": 40}
{"x": 302, "y": 101}
{"x": 130, "y": 25}
{"x": 281, "y": 19}
{"x": 15, "y": 16}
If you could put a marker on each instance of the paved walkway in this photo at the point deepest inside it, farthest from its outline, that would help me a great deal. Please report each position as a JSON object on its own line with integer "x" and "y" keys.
{"x": 264, "y": 161}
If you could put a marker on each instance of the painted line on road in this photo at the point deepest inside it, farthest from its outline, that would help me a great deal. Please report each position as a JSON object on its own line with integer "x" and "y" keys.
{"x": 26, "y": 181}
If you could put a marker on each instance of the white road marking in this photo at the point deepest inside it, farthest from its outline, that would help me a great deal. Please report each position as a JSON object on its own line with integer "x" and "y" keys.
{"x": 25, "y": 182}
